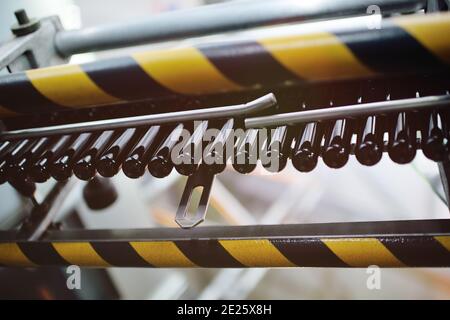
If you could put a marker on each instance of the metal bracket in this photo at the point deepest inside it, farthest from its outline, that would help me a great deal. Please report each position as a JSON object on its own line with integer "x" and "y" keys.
{"x": 201, "y": 178}
{"x": 42, "y": 216}
{"x": 33, "y": 50}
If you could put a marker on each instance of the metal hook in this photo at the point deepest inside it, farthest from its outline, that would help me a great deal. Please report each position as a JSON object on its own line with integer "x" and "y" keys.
{"x": 201, "y": 178}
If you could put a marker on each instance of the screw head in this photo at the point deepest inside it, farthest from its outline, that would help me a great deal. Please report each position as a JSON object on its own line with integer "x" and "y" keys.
{"x": 24, "y": 24}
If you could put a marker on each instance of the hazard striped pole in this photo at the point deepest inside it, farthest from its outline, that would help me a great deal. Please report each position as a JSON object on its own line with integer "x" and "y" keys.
{"x": 403, "y": 45}
{"x": 385, "y": 244}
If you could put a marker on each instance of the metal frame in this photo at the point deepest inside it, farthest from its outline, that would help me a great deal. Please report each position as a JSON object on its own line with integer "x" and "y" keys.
{"x": 387, "y": 244}
{"x": 33, "y": 50}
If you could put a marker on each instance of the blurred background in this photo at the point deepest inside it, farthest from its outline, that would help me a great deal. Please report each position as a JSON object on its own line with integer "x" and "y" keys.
{"x": 387, "y": 191}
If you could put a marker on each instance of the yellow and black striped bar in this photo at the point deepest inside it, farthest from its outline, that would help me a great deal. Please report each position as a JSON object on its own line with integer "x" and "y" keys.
{"x": 385, "y": 244}
{"x": 407, "y": 44}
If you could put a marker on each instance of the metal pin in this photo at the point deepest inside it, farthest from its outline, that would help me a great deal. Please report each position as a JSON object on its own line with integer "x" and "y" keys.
{"x": 6, "y": 147}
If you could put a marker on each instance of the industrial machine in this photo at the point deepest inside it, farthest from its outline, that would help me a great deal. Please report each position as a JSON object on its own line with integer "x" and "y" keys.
{"x": 290, "y": 82}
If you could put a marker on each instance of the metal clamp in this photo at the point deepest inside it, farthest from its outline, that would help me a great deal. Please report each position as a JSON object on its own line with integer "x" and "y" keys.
{"x": 201, "y": 178}
{"x": 33, "y": 50}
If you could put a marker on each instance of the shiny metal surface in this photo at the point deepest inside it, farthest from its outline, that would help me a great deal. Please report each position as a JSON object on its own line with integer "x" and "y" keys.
{"x": 261, "y": 103}
{"x": 348, "y": 111}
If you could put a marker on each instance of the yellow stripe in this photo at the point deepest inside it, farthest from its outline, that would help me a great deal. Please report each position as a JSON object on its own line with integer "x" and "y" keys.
{"x": 11, "y": 255}
{"x": 184, "y": 70}
{"x": 444, "y": 240}
{"x": 256, "y": 253}
{"x": 162, "y": 254}
{"x": 362, "y": 252}
{"x": 80, "y": 253}
{"x": 68, "y": 86}
{"x": 315, "y": 56}
{"x": 431, "y": 30}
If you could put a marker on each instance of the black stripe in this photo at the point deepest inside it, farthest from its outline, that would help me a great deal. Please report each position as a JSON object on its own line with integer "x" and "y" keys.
{"x": 247, "y": 63}
{"x": 308, "y": 253}
{"x": 19, "y": 95}
{"x": 418, "y": 251}
{"x": 42, "y": 253}
{"x": 390, "y": 50}
{"x": 207, "y": 253}
{"x": 125, "y": 79}
{"x": 119, "y": 254}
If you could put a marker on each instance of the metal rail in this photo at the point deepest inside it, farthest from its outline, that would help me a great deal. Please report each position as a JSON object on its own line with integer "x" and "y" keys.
{"x": 414, "y": 243}
{"x": 236, "y": 15}
{"x": 362, "y": 109}
{"x": 261, "y": 103}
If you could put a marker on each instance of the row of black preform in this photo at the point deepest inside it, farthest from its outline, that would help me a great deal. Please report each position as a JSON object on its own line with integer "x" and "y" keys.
{"x": 135, "y": 150}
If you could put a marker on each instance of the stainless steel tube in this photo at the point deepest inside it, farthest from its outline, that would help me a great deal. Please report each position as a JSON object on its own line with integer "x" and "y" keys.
{"x": 348, "y": 111}
{"x": 236, "y": 15}
{"x": 261, "y": 103}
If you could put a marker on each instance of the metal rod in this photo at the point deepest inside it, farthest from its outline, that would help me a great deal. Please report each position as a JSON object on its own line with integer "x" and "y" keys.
{"x": 348, "y": 111}
{"x": 261, "y": 103}
{"x": 236, "y": 15}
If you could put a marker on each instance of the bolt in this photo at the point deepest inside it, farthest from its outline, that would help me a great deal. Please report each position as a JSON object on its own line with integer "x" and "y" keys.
{"x": 24, "y": 24}
{"x": 21, "y": 16}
